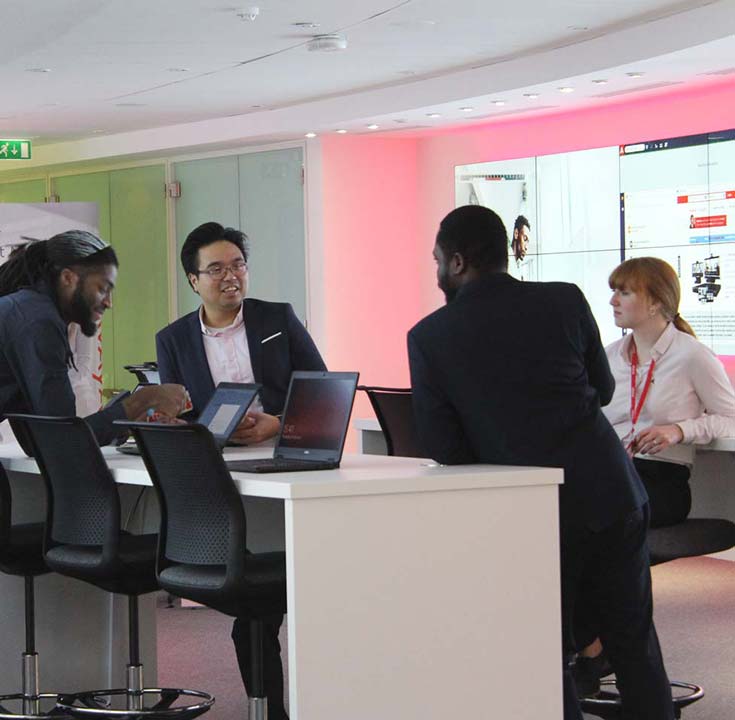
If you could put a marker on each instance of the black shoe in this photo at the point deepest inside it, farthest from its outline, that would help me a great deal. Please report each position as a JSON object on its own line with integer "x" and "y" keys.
{"x": 587, "y": 672}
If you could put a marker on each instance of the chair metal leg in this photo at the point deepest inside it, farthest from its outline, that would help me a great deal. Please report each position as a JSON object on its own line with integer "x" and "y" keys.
{"x": 135, "y": 701}
{"x": 31, "y": 702}
{"x": 257, "y": 702}
{"x": 258, "y": 708}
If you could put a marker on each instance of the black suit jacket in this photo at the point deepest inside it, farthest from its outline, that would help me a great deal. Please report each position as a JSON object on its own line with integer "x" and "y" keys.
{"x": 182, "y": 359}
{"x": 514, "y": 373}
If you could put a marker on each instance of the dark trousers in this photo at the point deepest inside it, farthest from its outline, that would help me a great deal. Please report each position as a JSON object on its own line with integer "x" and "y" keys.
{"x": 606, "y": 575}
{"x": 272, "y": 665}
{"x": 669, "y": 494}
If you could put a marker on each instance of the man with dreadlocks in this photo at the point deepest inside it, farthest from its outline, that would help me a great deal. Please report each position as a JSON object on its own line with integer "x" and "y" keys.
{"x": 44, "y": 286}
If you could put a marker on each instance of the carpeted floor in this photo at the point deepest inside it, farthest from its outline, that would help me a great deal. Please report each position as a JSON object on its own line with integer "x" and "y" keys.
{"x": 694, "y": 611}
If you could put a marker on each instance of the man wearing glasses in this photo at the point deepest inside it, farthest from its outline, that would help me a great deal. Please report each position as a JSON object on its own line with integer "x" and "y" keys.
{"x": 234, "y": 339}
{"x": 230, "y": 338}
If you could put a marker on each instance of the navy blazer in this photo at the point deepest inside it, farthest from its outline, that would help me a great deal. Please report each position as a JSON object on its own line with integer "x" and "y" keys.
{"x": 182, "y": 359}
{"x": 514, "y": 373}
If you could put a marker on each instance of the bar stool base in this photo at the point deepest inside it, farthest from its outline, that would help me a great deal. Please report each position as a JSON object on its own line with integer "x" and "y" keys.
{"x": 607, "y": 703}
{"x": 41, "y": 706}
{"x": 148, "y": 704}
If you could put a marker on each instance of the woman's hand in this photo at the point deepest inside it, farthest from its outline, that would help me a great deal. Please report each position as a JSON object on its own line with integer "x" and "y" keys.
{"x": 256, "y": 427}
{"x": 656, "y": 438}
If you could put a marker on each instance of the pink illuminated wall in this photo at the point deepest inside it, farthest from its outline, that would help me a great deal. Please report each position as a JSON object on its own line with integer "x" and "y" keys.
{"x": 384, "y": 198}
{"x": 701, "y": 109}
{"x": 371, "y": 280}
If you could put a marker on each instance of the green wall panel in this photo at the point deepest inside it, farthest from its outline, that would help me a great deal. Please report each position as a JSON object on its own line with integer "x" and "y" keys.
{"x": 272, "y": 214}
{"x": 209, "y": 191}
{"x": 95, "y": 187}
{"x": 138, "y": 234}
{"x": 31, "y": 191}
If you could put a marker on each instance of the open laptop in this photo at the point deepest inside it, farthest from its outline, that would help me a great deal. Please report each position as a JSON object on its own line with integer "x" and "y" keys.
{"x": 223, "y": 413}
{"x": 313, "y": 427}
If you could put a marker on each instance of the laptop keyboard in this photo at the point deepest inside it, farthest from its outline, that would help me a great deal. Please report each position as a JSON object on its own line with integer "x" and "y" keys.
{"x": 274, "y": 465}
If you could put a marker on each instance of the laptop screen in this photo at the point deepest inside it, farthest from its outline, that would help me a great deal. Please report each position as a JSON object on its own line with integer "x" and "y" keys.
{"x": 317, "y": 413}
{"x": 226, "y": 408}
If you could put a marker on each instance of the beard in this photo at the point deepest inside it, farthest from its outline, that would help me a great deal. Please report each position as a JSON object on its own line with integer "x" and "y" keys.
{"x": 81, "y": 312}
{"x": 449, "y": 292}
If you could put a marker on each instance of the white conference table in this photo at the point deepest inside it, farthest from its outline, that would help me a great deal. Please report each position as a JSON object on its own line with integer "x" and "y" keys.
{"x": 712, "y": 481}
{"x": 414, "y": 591}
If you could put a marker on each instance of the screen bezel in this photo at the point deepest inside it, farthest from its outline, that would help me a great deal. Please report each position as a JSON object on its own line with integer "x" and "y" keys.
{"x": 318, "y": 455}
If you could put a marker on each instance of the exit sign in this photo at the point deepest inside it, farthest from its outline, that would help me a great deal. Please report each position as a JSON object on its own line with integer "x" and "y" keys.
{"x": 15, "y": 149}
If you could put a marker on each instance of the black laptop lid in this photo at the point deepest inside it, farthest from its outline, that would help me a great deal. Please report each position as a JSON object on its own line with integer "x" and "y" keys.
{"x": 316, "y": 416}
{"x": 226, "y": 408}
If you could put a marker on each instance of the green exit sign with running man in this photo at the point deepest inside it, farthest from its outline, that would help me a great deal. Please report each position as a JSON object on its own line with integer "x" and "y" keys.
{"x": 15, "y": 149}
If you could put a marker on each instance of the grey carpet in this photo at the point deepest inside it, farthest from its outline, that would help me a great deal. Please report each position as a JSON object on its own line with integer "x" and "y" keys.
{"x": 694, "y": 612}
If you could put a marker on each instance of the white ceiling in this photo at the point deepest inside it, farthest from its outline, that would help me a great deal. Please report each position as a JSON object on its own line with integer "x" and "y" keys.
{"x": 116, "y": 67}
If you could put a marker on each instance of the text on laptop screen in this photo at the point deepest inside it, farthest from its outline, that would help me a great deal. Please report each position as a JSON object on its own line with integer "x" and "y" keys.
{"x": 318, "y": 412}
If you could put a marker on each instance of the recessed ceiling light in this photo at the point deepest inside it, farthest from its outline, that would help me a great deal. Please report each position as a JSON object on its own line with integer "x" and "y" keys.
{"x": 433, "y": 115}
{"x": 635, "y": 74}
{"x": 530, "y": 96}
{"x": 341, "y": 131}
{"x": 373, "y": 126}
{"x": 305, "y": 25}
{"x": 467, "y": 109}
{"x": 39, "y": 70}
{"x": 248, "y": 14}
{"x": 310, "y": 135}
{"x": 332, "y": 42}
{"x": 178, "y": 69}
{"x": 566, "y": 89}
{"x": 600, "y": 81}
{"x": 498, "y": 103}
{"x": 577, "y": 28}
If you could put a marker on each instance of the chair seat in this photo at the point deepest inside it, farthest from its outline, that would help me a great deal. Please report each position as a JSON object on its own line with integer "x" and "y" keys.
{"x": 693, "y": 537}
{"x": 134, "y": 572}
{"x": 23, "y": 555}
{"x": 260, "y": 591}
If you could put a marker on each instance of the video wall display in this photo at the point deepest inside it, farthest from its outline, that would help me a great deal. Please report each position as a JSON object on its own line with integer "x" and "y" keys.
{"x": 586, "y": 211}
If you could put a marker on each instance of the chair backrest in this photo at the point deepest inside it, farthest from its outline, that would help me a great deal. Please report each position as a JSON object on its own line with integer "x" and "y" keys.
{"x": 83, "y": 505}
{"x": 394, "y": 410}
{"x": 202, "y": 516}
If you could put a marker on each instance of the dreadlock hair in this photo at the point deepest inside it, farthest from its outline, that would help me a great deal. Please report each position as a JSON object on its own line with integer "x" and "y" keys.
{"x": 43, "y": 260}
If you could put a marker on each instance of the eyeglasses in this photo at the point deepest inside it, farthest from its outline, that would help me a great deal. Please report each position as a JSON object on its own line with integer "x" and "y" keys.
{"x": 217, "y": 272}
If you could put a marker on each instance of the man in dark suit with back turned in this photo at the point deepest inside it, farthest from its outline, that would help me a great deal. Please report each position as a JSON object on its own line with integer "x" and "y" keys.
{"x": 514, "y": 373}
{"x": 232, "y": 339}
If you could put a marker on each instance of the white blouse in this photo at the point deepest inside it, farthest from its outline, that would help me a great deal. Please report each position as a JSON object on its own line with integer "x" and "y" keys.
{"x": 689, "y": 388}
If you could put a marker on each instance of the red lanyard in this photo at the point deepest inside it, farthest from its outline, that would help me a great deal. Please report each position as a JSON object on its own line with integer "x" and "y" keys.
{"x": 635, "y": 410}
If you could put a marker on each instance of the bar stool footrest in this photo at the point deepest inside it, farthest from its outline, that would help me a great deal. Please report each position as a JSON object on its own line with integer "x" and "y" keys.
{"x": 50, "y": 699}
{"x": 606, "y": 704}
{"x": 148, "y": 704}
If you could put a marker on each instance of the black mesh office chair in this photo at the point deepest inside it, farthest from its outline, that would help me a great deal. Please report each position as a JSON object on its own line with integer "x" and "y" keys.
{"x": 393, "y": 408}
{"x": 84, "y": 540}
{"x": 21, "y": 554}
{"x": 202, "y": 554}
{"x": 693, "y": 537}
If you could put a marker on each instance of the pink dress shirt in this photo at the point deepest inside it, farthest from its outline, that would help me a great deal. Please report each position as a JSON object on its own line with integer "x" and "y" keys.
{"x": 228, "y": 353}
{"x": 689, "y": 388}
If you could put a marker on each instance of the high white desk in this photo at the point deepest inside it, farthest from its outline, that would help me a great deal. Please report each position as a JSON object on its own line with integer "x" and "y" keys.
{"x": 712, "y": 481}
{"x": 414, "y": 591}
